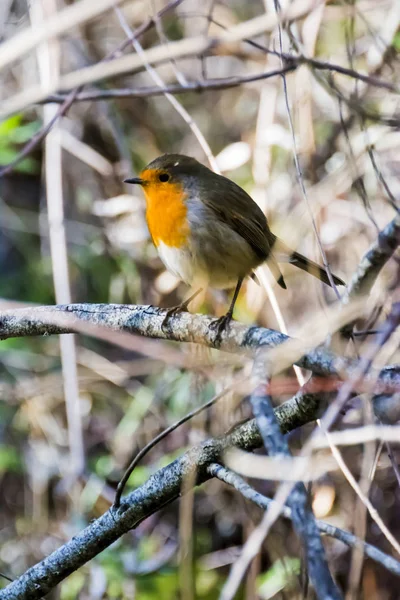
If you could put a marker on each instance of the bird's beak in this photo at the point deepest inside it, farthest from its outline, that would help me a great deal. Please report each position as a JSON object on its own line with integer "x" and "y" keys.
{"x": 134, "y": 180}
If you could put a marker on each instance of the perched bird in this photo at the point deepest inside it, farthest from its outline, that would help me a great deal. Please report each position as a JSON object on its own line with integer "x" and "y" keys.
{"x": 209, "y": 231}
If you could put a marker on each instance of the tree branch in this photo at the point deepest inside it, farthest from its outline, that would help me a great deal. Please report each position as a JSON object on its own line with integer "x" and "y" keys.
{"x": 159, "y": 490}
{"x": 133, "y": 63}
{"x": 147, "y": 321}
{"x": 302, "y": 515}
{"x": 234, "y": 480}
{"x": 292, "y": 62}
{"x": 375, "y": 259}
{"x": 177, "y": 88}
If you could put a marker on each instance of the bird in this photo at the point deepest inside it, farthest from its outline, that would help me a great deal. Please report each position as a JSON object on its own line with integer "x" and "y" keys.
{"x": 208, "y": 231}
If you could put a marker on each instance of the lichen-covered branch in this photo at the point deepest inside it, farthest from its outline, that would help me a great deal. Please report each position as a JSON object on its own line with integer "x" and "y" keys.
{"x": 302, "y": 515}
{"x": 375, "y": 259}
{"x": 165, "y": 485}
{"x": 160, "y": 489}
{"x": 231, "y": 478}
{"x": 147, "y": 321}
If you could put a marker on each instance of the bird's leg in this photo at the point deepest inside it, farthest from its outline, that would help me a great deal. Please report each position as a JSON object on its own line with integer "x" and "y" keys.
{"x": 182, "y": 307}
{"x": 221, "y": 324}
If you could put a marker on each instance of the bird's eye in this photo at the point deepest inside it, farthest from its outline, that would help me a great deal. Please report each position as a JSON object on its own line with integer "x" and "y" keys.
{"x": 163, "y": 177}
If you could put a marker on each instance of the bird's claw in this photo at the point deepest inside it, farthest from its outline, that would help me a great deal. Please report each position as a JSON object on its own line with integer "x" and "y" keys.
{"x": 175, "y": 310}
{"x": 220, "y": 325}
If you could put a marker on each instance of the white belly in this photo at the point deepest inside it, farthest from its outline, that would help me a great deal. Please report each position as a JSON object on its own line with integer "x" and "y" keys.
{"x": 179, "y": 262}
{"x": 183, "y": 264}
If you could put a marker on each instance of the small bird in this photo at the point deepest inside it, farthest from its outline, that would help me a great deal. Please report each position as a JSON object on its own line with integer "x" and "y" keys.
{"x": 209, "y": 231}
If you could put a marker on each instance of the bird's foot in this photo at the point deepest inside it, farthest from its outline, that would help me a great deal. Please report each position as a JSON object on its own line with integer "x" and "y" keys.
{"x": 220, "y": 325}
{"x": 175, "y": 310}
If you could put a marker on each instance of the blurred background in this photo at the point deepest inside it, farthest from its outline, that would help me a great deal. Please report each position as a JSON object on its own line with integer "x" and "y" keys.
{"x": 75, "y": 410}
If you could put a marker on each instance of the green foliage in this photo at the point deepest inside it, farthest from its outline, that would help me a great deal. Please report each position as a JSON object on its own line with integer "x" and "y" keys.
{"x": 13, "y": 133}
{"x": 71, "y": 587}
{"x": 159, "y": 585}
{"x": 278, "y": 577}
{"x": 9, "y": 459}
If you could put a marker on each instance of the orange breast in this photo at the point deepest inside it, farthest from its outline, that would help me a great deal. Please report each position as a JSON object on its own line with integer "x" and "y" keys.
{"x": 166, "y": 214}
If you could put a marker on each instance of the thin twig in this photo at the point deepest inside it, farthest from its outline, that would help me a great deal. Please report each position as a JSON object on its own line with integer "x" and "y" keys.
{"x": 297, "y": 163}
{"x": 318, "y": 64}
{"x": 175, "y": 88}
{"x": 364, "y": 498}
{"x": 303, "y": 518}
{"x": 70, "y": 98}
{"x": 163, "y": 434}
{"x": 234, "y": 480}
{"x": 162, "y": 488}
{"x": 171, "y": 99}
{"x": 48, "y": 61}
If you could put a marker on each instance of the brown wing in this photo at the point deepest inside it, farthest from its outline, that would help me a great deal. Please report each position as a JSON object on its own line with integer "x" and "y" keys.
{"x": 233, "y": 206}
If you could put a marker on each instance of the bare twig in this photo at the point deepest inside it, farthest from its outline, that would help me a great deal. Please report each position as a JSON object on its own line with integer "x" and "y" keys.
{"x": 48, "y": 60}
{"x": 263, "y": 502}
{"x": 176, "y": 88}
{"x": 70, "y": 98}
{"x": 297, "y": 163}
{"x": 375, "y": 259}
{"x": 364, "y": 498}
{"x": 161, "y": 489}
{"x": 163, "y": 434}
{"x": 302, "y": 515}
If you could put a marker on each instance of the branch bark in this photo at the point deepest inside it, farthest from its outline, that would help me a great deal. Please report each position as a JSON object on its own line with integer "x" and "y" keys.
{"x": 132, "y": 63}
{"x": 302, "y": 515}
{"x": 159, "y": 490}
{"x": 93, "y": 319}
{"x": 375, "y": 259}
{"x": 234, "y": 480}
{"x": 165, "y": 486}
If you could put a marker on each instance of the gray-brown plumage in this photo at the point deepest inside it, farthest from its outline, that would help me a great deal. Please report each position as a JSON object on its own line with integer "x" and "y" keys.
{"x": 229, "y": 235}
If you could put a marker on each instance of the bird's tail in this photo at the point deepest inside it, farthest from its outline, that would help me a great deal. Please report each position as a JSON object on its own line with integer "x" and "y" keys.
{"x": 285, "y": 254}
{"x": 275, "y": 270}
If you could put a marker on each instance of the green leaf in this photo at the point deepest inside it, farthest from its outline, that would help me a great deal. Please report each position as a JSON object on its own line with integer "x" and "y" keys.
{"x": 12, "y": 135}
{"x": 279, "y": 576}
{"x": 71, "y": 587}
{"x": 24, "y": 133}
{"x": 28, "y": 165}
{"x": 7, "y": 126}
{"x": 7, "y": 154}
{"x": 9, "y": 459}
